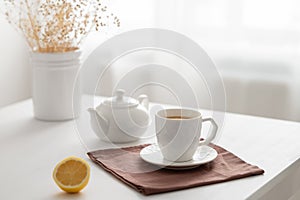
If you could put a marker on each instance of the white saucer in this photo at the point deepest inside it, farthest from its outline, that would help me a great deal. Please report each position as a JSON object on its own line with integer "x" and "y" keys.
{"x": 152, "y": 154}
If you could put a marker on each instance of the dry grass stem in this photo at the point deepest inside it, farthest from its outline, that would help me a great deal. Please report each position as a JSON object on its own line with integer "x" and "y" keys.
{"x": 57, "y": 25}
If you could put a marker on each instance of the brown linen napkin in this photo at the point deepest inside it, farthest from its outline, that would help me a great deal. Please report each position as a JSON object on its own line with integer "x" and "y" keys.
{"x": 127, "y": 166}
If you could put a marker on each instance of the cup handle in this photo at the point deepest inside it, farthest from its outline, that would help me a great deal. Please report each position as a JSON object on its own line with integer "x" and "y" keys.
{"x": 213, "y": 132}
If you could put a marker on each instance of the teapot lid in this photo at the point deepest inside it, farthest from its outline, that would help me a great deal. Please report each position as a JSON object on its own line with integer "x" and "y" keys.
{"x": 120, "y": 101}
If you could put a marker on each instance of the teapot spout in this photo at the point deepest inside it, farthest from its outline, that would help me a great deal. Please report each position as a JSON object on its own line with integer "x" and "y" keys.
{"x": 98, "y": 120}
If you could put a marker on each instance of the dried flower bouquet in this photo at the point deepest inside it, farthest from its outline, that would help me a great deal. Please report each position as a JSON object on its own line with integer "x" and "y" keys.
{"x": 57, "y": 25}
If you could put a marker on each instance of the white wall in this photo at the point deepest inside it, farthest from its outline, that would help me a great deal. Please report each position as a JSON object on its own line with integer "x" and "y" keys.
{"x": 15, "y": 73}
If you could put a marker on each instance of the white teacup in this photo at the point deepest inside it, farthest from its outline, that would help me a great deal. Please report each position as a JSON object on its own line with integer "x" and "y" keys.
{"x": 178, "y": 133}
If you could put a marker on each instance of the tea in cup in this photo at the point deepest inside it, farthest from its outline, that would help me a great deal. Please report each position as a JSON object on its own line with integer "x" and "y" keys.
{"x": 178, "y": 133}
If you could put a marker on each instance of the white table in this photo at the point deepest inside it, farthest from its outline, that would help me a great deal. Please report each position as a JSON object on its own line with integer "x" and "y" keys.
{"x": 30, "y": 149}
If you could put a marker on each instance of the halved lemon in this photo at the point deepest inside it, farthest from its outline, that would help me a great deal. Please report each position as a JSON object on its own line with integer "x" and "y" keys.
{"x": 72, "y": 174}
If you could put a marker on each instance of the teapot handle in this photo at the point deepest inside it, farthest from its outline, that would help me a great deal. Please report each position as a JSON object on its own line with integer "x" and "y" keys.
{"x": 144, "y": 100}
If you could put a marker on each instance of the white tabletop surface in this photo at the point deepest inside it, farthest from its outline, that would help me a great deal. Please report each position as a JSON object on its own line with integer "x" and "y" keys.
{"x": 30, "y": 149}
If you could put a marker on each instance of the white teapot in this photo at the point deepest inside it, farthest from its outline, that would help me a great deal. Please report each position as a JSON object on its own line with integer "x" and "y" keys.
{"x": 121, "y": 118}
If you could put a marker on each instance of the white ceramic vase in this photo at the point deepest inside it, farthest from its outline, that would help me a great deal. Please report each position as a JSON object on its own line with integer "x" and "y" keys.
{"x": 56, "y": 90}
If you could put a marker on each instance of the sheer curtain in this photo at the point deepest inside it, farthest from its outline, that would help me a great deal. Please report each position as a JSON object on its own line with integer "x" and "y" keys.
{"x": 254, "y": 43}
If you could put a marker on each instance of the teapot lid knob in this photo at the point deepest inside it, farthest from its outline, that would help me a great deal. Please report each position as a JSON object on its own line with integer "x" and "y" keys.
{"x": 119, "y": 94}
{"x": 119, "y": 100}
